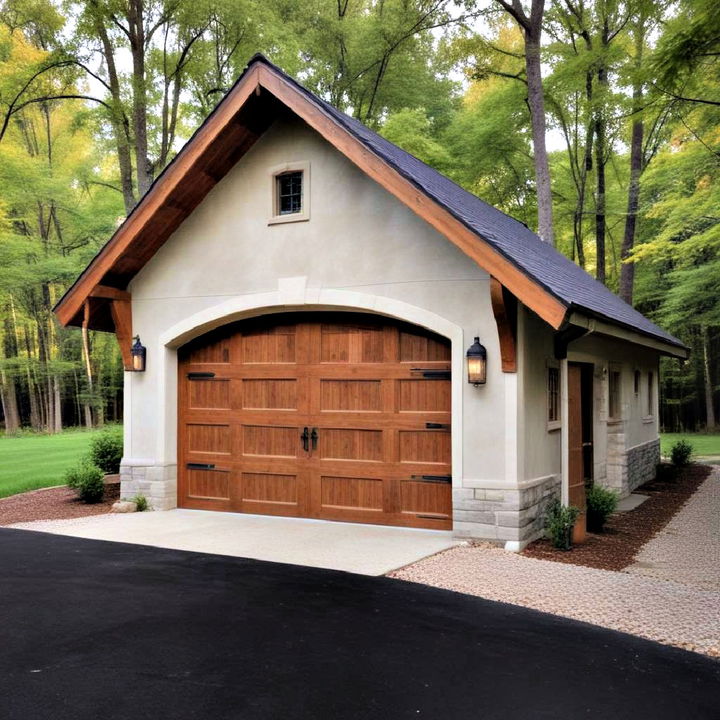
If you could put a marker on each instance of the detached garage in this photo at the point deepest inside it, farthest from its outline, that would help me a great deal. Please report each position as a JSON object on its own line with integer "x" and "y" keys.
{"x": 325, "y": 327}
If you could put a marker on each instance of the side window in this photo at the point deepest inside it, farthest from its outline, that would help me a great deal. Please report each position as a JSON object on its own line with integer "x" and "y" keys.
{"x": 614, "y": 395}
{"x": 636, "y": 383}
{"x": 553, "y": 395}
{"x": 650, "y": 395}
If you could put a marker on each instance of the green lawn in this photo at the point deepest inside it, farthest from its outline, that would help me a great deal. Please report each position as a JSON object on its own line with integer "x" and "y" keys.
{"x": 30, "y": 462}
{"x": 703, "y": 443}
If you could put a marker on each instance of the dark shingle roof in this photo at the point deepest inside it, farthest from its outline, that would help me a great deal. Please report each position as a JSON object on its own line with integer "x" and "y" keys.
{"x": 538, "y": 260}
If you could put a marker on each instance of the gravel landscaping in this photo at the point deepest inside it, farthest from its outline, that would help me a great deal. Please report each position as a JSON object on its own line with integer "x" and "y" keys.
{"x": 671, "y": 594}
{"x": 55, "y": 503}
{"x": 687, "y": 550}
{"x": 667, "y": 612}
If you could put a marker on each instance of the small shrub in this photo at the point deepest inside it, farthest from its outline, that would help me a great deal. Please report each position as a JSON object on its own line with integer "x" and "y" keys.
{"x": 141, "y": 502}
{"x": 106, "y": 450}
{"x": 87, "y": 480}
{"x": 601, "y": 503}
{"x": 559, "y": 523}
{"x": 681, "y": 453}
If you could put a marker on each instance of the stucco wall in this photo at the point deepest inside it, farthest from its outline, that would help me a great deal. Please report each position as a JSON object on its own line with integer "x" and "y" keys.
{"x": 624, "y": 449}
{"x": 359, "y": 242}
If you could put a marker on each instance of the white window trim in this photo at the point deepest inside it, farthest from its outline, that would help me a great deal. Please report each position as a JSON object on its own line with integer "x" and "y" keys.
{"x": 274, "y": 218}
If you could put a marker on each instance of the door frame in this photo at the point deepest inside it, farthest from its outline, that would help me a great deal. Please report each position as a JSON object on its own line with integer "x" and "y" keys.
{"x": 293, "y": 296}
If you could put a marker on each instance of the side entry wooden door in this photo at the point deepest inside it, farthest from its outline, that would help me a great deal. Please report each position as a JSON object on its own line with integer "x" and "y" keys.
{"x": 577, "y": 432}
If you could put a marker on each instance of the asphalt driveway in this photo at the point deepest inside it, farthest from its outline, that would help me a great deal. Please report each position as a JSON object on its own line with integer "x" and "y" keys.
{"x": 92, "y": 629}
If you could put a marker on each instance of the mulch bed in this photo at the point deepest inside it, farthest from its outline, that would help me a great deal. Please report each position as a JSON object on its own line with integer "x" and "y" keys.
{"x": 56, "y": 503}
{"x": 625, "y": 533}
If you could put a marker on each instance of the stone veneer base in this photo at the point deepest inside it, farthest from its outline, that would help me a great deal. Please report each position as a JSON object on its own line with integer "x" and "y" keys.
{"x": 628, "y": 469}
{"x": 158, "y": 483}
{"x": 513, "y": 515}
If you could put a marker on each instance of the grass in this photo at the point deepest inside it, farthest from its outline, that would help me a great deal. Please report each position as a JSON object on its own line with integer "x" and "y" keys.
{"x": 703, "y": 443}
{"x": 33, "y": 461}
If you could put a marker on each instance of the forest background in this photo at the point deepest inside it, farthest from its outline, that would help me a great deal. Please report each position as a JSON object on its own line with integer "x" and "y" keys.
{"x": 595, "y": 122}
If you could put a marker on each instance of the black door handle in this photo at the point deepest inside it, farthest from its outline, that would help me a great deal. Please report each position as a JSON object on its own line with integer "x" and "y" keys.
{"x": 305, "y": 437}
{"x": 314, "y": 437}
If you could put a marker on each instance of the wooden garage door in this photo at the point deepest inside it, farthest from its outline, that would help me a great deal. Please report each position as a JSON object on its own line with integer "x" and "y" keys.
{"x": 335, "y": 416}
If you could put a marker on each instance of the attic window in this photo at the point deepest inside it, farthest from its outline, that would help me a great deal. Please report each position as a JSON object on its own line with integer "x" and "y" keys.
{"x": 290, "y": 193}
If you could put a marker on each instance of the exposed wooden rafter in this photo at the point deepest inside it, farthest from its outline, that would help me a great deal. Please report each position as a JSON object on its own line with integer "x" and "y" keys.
{"x": 504, "y": 308}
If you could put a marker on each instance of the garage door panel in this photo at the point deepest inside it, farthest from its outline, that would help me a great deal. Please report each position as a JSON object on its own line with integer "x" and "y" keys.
{"x": 271, "y": 441}
{"x": 216, "y": 349}
{"x": 273, "y": 345}
{"x": 273, "y": 488}
{"x": 351, "y": 493}
{"x": 269, "y": 394}
{"x": 351, "y": 395}
{"x": 416, "y": 347}
{"x": 351, "y": 344}
{"x": 424, "y": 446}
{"x": 350, "y": 444}
{"x": 204, "y": 438}
{"x": 425, "y": 498}
{"x": 209, "y": 394}
{"x": 206, "y": 484}
{"x": 423, "y": 396}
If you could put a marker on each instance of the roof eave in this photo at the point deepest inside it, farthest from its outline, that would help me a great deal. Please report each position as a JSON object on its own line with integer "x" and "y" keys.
{"x": 612, "y": 328}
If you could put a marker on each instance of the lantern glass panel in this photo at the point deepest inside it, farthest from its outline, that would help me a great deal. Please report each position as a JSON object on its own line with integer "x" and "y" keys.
{"x": 476, "y": 370}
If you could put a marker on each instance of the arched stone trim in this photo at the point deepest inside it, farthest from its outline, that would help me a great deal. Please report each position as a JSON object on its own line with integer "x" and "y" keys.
{"x": 292, "y": 295}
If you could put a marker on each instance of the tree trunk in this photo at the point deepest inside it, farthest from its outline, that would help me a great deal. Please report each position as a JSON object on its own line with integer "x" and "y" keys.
{"x": 33, "y": 391}
{"x": 531, "y": 26}
{"x": 585, "y": 171}
{"x": 136, "y": 24}
{"x": 58, "y": 423}
{"x": 627, "y": 269}
{"x": 8, "y": 385}
{"x": 8, "y": 398}
{"x": 600, "y": 197}
{"x": 117, "y": 116}
{"x": 710, "y": 422}
{"x": 536, "y": 103}
{"x": 600, "y": 158}
{"x": 88, "y": 374}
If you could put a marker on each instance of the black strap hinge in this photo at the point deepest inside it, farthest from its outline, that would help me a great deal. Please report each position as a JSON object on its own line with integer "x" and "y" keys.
{"x": 432, "y": 374}
{"x": 432, "y": 478}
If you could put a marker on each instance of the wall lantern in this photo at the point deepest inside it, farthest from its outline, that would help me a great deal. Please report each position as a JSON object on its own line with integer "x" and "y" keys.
{"x": 476, "y": 363}
{"x": 138, "y": 353}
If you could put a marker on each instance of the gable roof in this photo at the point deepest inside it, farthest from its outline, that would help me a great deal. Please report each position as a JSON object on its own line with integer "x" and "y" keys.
{"x": 542, "y": 278}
